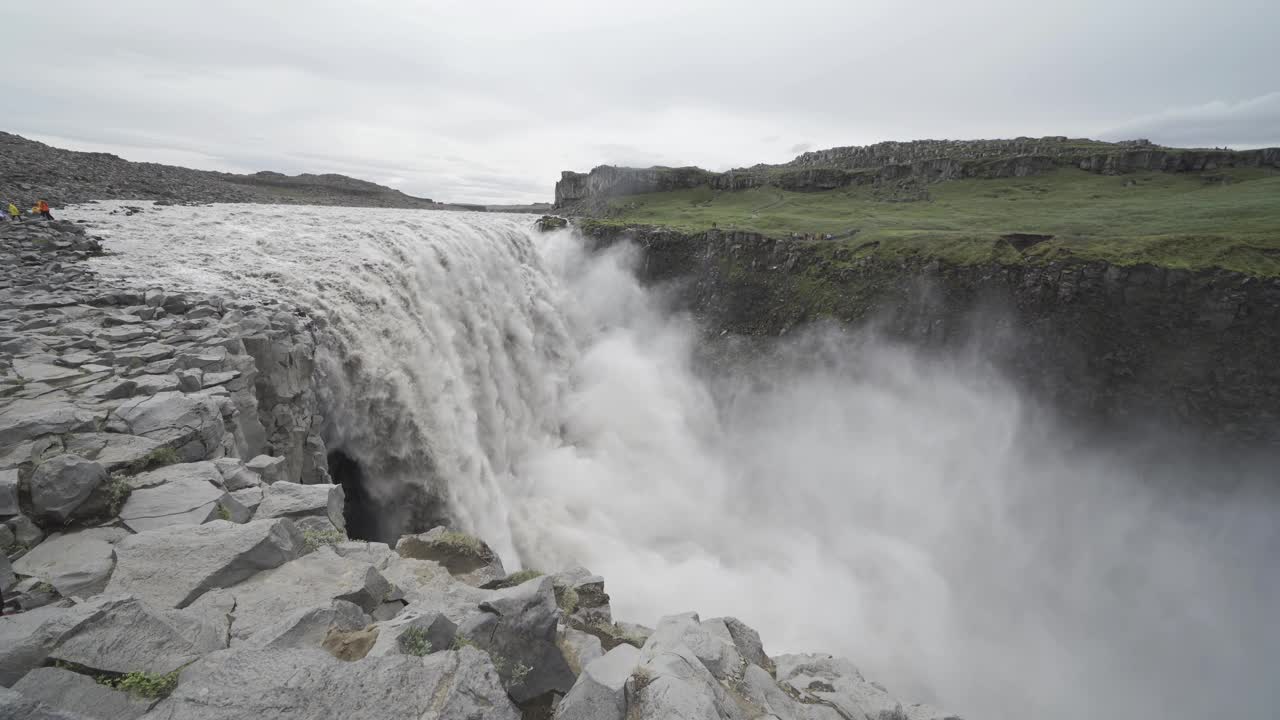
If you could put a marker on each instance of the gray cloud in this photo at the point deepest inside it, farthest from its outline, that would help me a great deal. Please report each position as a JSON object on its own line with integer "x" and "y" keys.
{"x": 462, "y": 102}
{"x": 1254, "y": 122}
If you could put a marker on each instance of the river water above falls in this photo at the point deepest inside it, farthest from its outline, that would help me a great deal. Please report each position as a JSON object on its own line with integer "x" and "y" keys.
{"x": 847, "y": 496}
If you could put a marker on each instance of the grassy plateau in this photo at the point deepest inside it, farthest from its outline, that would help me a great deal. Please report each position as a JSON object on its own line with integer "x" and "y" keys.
{"x": 1226, "y": 219}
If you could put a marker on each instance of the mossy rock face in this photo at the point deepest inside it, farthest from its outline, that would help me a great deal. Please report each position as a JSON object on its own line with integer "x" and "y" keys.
{"x": 547, "y": 223}
{"x": 514, "y": 579}
{"x": 465, "y": 557}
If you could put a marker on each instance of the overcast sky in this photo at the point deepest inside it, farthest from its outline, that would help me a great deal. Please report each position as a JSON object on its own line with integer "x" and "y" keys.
{"x": 489, "y": 101}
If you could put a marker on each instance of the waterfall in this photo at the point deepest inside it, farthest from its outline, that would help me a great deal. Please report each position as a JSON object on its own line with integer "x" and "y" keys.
{"x": 843, "y": 494}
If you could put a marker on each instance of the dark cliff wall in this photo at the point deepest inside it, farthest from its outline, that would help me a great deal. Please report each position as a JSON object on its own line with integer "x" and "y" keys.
{"x": 608, "y": 181}
{"x": 1104, "y": 343}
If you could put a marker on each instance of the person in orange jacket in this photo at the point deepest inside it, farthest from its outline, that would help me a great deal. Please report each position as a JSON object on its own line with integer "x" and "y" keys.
{"x": 42, "y": 207}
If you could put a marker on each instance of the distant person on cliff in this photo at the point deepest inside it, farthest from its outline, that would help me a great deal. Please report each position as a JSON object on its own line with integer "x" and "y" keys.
{"x": 14, "y": 214}
{"x": 42, "y": 207}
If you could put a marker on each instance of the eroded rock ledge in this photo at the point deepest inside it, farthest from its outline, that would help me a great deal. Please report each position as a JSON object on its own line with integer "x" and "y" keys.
{"x": 1107, "y": 344}
{"x": 173, "y": 547}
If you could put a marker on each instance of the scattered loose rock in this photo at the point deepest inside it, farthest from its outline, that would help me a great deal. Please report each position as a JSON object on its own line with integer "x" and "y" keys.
{"x": 186, "y": 494}
{"x": 62, "y": 484}
{"x": 75, "y": 564}
{"x": 75, "y": 693}
{"x": 291, "y": 500}
{"x": 465, "y": 557}
{"x": 313, "y": 685}
{"x": 518, "y": 626}
{"x": 173, "y": 566}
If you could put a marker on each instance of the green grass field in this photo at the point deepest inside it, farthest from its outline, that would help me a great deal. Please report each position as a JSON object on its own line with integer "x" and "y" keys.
{"x": 1174, "y": 220}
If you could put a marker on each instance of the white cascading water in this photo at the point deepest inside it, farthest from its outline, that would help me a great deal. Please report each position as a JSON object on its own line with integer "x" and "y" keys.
{"x": 849, "y": 497}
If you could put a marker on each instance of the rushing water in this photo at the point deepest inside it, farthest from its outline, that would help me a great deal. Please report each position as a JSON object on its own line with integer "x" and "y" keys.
{"x": 848, "y": 496}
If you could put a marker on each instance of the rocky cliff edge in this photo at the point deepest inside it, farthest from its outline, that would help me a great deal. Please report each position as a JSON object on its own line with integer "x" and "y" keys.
{"x": 173, "y": 547}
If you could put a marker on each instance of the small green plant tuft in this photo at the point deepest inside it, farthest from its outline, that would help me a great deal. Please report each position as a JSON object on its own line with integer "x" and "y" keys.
{"x": 519, "y": 578}
{"x": 461, "y": 542}
{"x": 224, "y": 513}
{"x": 16, "y": 548}
{"x": 414, "y": 642}
{"x": 516, "y": 673}
{"x": 160, "y": 457}
{"x": 568, "y": 601}
{"x": 610, "y": 635}
{"x": 43, "y": 587}
{"x": 147, "y": 685}
{"x": 118, "y": 490}
{"x": 315, "y": 539}
{"x": 519, "y": 673}
{"x": 460, "y": 642}
{"x": 641, "y": 678}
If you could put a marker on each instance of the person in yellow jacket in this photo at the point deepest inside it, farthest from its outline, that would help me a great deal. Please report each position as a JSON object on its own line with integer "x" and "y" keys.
{"x": 14, "y": 213}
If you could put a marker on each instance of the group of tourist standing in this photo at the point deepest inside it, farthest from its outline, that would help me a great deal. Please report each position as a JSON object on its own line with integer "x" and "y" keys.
{"x": 41, "y": 208}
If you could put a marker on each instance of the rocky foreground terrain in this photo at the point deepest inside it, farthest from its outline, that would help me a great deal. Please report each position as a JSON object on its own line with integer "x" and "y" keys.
{"x": 31, "y": 170}
{"x": 173, "y": 546}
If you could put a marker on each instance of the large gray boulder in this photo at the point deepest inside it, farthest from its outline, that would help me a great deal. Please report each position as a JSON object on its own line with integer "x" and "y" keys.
{"x": 466, "y": 557}
{"x": 40, "y": 372}
{"x": 319, "y": 577}
{"x": 249, "y": 499}
{"x": 428, "y": 587}
{"x": 185, "y": 494}
{"x": 838, "y": 683}
{"x": 121, "y": 335}
{"x": 27, "y": 638}
{"x": 75, "y": 693}
{"x": 62, "y": 485}
{"x": 131, "y": 636}
{"x": 173, "y": 566}
{"x": 311, "y": 685}
{"x": 17, "y": 706}
{"x": 29, "y": 419}
{"x": 149, "y": 353}
{"x": 24, "y": 530}
{"x": 269, "y": 469}
{"x": 600, "y": 691}
{"x": 580, "y": 649}
{"x": 308, "y": 627}
{"x": 428, "y": 632}
{"x": 292, "y": 500}
{"x": 673, "y": 680}
{"x": 590, "y": 601}
{"x": 75, "y": 564}
{"x": 670, "y": 696}
{"x": 190, "y": 424}
{"x": 9, "y": 493}
{"x": 235, "y": 476}
{"x": 710, "y": 642}
{"x": 113, "y": 451}
{"x": 764, "y": 696}
{"x": 747, "y": 641}
{"x": 229, "y": 508}
{"x": 517, "y": 626}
